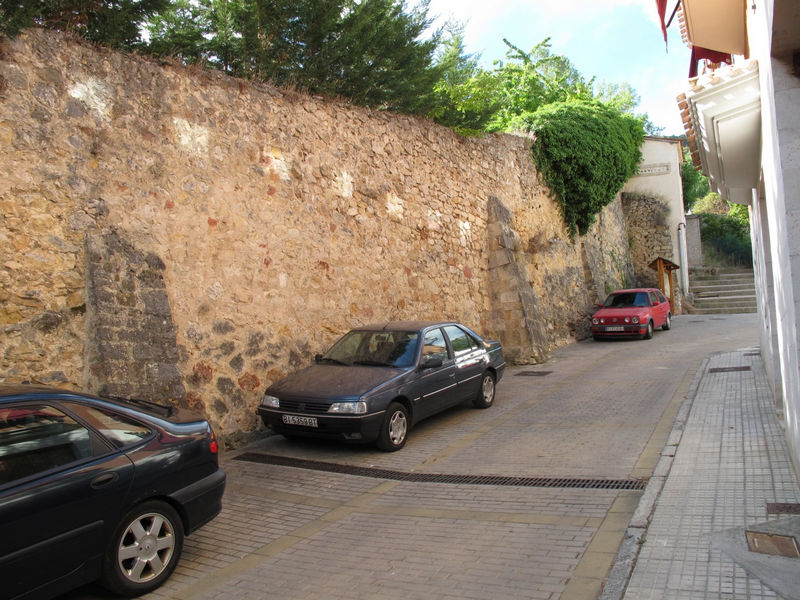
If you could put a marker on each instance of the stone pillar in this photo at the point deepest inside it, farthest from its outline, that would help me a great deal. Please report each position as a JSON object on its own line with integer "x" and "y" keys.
{"x": 515, "y": 311}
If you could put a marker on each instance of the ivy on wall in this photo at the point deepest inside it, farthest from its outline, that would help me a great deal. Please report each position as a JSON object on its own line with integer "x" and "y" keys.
{"x": 585, "y": 151}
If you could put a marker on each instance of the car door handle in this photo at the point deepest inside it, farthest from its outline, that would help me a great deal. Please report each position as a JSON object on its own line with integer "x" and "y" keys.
{"x": 104, "y": 480}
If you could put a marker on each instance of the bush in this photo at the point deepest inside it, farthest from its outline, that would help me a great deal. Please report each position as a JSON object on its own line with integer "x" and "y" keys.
{"x": 728, "y": 236}
{"x": 585, "y": 151}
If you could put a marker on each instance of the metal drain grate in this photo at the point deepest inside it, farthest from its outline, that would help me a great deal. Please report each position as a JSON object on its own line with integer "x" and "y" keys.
{"x": 783, "y": 508}
{"x": 728, "y": 369}
{"x": 533, "y": 373}
{"x": 502, "y": 480}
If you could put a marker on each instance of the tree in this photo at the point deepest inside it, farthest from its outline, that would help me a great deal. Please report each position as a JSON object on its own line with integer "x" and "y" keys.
{"x": 465, "y": 95}
{"x": 369, "y": 51}
{"x": 529, "y": 80}
{"x": 695, "y": 184}
{"x": 625, "y": 99}
{"x": 115, "y": 23}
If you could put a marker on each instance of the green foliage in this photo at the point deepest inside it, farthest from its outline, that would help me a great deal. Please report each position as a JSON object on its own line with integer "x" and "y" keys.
{"x": 728, "y": 237}
{"x": 695, "y": 184}
{"x": 625, "y": 99}
{"x": 530, "y": 80}
{"x": 369, "y": 51}
{"x": 465, "y": 96}
{"x": 585, "y": 151}
{"x": 725, "y": 230}
{"x": 712, "y": 202}
{"x": 115, "y": 23}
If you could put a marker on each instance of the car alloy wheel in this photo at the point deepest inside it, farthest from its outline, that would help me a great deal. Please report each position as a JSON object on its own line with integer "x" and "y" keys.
{"x": 649, "y": 333}
{"x": 394, "y": 431}
{"x": 144, "y": 550}
{"x": 485, "y": 396}
{"x": 667, "y": 323}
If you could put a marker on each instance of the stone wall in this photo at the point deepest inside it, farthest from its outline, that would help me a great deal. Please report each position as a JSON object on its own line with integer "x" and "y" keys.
{"x": 649, "y": 235}
{"x": 180, "y": 235}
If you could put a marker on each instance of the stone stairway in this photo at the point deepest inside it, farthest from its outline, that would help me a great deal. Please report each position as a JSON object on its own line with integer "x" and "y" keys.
{"x": 722, "y": 290}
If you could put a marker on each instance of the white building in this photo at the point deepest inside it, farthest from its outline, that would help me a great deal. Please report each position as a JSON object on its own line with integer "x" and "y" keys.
{"x": 659, "y": 177}
{"x": 743, "y": 125}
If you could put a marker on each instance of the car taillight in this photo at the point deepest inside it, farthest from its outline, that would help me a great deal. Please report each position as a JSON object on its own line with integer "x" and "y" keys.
{"x": 213, "y": 446}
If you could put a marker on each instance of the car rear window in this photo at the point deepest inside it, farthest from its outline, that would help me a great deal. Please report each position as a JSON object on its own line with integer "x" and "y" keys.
{"x": 119, "y": 429}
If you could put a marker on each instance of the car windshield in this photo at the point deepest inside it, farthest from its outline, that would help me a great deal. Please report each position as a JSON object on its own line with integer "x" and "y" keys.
{"x": 627, "y": 300}
{"x": 375, "y": 348}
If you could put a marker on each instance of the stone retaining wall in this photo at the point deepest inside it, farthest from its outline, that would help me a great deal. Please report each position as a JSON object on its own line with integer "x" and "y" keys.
{"x": 180, "y": 235}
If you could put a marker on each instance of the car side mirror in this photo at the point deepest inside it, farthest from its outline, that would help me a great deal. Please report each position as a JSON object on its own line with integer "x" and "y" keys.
{"x": 431, "y": 361}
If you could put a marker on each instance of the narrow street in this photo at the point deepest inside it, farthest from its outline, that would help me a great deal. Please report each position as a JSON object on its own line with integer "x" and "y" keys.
{"x": 558, "y": 464}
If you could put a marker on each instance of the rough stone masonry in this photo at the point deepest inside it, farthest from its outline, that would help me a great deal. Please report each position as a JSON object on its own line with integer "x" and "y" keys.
{"x": 180, "y": 235}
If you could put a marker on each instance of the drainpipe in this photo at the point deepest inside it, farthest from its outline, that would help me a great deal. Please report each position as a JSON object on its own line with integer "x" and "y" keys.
{"x": 683, "y": 263}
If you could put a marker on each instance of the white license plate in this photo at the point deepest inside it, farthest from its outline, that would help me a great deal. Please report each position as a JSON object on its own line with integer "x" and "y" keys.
{"x": 304, "y": 421}
{"x": 615, "y": 328}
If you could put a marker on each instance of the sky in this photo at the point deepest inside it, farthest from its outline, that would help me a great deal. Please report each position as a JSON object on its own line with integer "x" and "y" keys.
{"x": 615, "y": 41}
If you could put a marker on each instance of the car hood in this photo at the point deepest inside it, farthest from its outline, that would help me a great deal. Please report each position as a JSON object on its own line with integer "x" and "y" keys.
{"x": 321, "y": 381}
{"x": 620, "y": 313}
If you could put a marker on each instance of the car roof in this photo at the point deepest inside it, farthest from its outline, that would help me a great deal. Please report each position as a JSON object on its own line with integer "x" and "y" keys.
{"x": 15, "y": 392}
{"x": 628, "y": 290}
{"x": 403, "y": 325}
{"x": 25, "y": 389}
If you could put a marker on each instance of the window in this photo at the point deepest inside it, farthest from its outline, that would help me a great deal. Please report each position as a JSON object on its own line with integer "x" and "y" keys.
{"x": 435, "y": 345}
{"x": 460, "y": 340}
{"x": 37, "y": 438}
{"x": 118, "y": 429}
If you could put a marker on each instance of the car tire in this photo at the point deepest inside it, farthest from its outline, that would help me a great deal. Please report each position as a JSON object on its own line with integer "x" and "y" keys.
{"x": 667, "y": 323}
{"x": 485, "y": 397}
{"x": 394, "y": 429}
{"x": 144, "y": 550}
{"x": 649, "y": 333}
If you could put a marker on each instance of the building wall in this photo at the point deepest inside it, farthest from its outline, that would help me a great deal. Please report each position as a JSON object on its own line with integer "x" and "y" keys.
{"x": 179, "y": 235}
{"x": 659, "y": 179}
{"x": 694, "y": 241}
{"x": 778, "y": 216}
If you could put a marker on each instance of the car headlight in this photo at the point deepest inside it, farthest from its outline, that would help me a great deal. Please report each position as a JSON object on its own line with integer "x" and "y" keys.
{"x": 595, "y": 321}
{"x": 270, "y": 401}
{"x": 635, "y": 319}
{"x": 348, "y": 408}
{"x": 627, "y": 319}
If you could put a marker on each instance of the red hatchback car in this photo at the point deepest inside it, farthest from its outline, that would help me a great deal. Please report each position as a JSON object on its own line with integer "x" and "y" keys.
{"x": 632, "y": 313}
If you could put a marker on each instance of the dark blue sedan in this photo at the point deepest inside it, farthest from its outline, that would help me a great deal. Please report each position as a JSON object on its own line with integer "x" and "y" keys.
{"x": 94, "y": 488}
{"x": 377, "y": 381}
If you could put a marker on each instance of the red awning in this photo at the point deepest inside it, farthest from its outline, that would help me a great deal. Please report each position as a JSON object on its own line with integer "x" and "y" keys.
{"x": 662, "y": 14}
{"x": 713, "y": 56}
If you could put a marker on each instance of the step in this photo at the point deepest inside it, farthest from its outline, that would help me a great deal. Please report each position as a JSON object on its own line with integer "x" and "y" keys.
{"x": 736, "y": 293}
{"x": 724, "y": 311}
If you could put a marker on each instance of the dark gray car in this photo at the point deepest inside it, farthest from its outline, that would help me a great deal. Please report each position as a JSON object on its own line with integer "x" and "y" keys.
{"x": 377, "y": 381}
{"x": 98, "y": 488}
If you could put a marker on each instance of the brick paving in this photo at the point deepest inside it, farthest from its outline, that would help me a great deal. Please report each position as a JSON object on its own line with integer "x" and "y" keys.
{"x": 604, "y": 411}
{"x": 731, "y": 461}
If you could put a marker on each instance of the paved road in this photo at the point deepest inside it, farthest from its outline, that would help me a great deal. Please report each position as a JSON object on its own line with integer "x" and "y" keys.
{"x": 591, "y": 421}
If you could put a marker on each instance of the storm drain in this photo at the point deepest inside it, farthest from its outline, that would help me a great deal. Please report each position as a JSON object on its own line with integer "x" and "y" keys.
{"x": 783, "y": 508}
{"x": 772, "y": 543}
{"x": 501, "y": 480}
{"x": 728, "y": 369}
{"x": 533, "y": 373}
